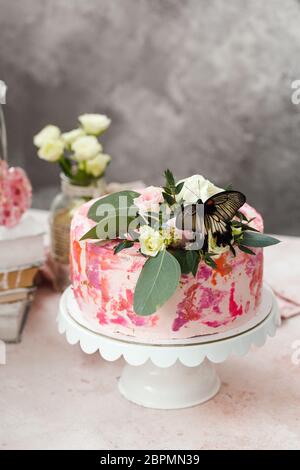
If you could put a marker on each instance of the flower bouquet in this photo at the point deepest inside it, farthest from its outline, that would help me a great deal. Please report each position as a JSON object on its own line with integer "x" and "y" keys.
{"x": 83, "y": 164}
{"x": 175, "y": 227}
{"x": 78, "y": 152}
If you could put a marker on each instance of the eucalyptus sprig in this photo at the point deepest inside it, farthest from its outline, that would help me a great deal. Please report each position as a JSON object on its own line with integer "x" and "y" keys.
{"x": 250, "y": 236}
{"x": 171, "y": 188}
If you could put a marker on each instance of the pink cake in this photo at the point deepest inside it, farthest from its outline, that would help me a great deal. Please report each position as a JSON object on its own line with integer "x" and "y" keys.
{"x": 214, "y": 301}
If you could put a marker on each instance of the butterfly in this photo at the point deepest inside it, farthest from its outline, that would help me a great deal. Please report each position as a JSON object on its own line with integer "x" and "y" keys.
{"x": 212, "y": 216}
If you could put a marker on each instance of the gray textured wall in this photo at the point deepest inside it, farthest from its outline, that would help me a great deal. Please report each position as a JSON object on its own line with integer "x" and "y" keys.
{"x": 196, "y": 85}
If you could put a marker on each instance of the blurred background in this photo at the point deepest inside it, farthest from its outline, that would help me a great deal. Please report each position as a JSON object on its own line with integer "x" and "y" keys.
{"x": 197, "y": 86}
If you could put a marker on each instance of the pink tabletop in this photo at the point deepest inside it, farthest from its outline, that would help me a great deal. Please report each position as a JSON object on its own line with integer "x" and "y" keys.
{"x": 54, "y": 396}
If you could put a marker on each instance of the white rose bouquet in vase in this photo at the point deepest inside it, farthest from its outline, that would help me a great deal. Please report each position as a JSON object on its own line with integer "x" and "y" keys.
{"x": 83, "y": 163}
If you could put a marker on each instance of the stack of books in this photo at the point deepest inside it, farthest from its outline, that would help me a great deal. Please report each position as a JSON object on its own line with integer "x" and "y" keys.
{"x": 21, "y": 254}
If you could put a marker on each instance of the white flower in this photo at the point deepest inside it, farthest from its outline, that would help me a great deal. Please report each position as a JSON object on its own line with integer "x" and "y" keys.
{"x": 97, "y": 165}
{"x": 151, "y": 241}
{"x": 51, "y": 150}
{"x": 71, "y": 136}
{"x": 94, "y": 124}
{"x": 214, "y": 248}
{"x": 212, "y": 189}
{"x": 197, "y": 187}
{"x": 47, "y": 133}
{"x": 86, "y": 147}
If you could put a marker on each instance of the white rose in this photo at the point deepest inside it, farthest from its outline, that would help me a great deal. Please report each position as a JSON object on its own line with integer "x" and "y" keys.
{"x": 51, "y": 150}
{"x": 151, "y": 241}
{"x": 97, "y": 165}
{"x": 47, "y": 133}
{"x": 213, "y": 189}
{"x": 94, "y": 124}
{"x": 86, "y": 147}
{"x": 71, "y": 136}
{"x": 197, "y": 187}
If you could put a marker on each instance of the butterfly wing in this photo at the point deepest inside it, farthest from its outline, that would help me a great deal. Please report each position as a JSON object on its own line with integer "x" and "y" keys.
{"x": 220, "y": 209}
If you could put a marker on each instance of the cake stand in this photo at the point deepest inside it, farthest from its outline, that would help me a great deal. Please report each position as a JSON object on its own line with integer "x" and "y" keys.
{"x": 176, "y": 375}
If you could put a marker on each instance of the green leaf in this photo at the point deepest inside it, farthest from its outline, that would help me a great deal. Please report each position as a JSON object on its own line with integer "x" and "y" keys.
{"x": 179, "y": 187}
{"x": 257, "y": 239}
{"x": 193, "y": 259}
{"x": 246, "y": 250}
{"x": 188, "y": 260}
{"x": 114, "y": 225}
{"x": 123, "y": 245}
{"x": 232, "y": 249}
{"x": 169, "y": 199}
{"x": 181, "y": 256}
{"x": 113, "y": 200}
{"x": 251, "y": 229}
{"x": 167, "y": 190}
{"x": 243, "y": 226}
{"x": 66, "y": 166}
{"x": 170, "y": 179}
{"x": 210, "y": 262}
{"x": 229, "y": 187}
{"x": 157, "y": 282}
{"x": 241, "y": 216}
{"x": 91, "y": 234}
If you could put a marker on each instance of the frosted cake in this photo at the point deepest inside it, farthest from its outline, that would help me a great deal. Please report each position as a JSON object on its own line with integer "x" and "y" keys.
{"x": 222, "y": 291}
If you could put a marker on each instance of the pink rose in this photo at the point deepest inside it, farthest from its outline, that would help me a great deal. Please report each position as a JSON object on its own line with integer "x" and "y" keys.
{"x": 149, "y": 199}
{"x": 15, "y": 194}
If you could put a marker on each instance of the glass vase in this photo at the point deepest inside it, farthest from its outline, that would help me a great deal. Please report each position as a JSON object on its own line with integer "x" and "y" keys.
{"x": 61, "y": 212}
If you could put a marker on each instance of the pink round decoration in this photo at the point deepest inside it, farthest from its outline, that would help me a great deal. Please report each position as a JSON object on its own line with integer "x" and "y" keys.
{"x": 15, "y": 194}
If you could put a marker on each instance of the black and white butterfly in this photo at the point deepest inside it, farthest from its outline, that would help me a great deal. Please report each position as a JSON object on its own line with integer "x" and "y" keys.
{"x": 212, "y": 216}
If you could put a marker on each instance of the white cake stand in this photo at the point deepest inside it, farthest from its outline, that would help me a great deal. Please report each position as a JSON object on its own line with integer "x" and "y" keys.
{"x": 169, "y": 376}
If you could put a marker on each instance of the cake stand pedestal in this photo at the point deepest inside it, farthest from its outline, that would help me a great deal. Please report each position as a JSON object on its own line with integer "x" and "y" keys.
{"x": 176, "y": 375}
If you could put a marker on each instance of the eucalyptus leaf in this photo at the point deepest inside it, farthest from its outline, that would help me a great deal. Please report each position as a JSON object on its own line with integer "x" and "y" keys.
{"x": 193, "y": 259}
{"x": 246, "y": 250}
{"x": 91, "y": 234}
{"x": 257, "y": 239}
{"x": 157, "y": 282}
{"x": 123, "y": 245}
{"x": 181, "y": 256}
{"x": 114, "y": 201}
{"x": 114, "y": 225}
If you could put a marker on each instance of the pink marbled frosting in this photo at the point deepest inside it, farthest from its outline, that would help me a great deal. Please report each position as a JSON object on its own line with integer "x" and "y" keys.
{"x": 212, "y": 302}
